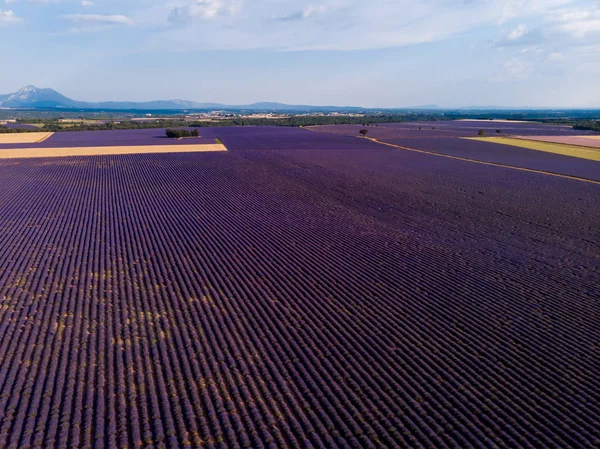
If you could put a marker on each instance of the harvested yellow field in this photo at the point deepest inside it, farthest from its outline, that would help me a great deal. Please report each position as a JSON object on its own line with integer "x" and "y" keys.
{"x": 578, "y": 141}
{"x": 23, "y": 137}
{"x": 556, "y": 148}
{"x": 29, "y": 153}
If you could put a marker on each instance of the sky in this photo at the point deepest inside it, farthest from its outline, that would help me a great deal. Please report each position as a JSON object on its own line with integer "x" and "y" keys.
{"x": 372, "y": 53}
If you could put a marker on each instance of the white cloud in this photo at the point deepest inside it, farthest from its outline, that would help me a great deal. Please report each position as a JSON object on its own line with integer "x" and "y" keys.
{"x": 339, "y": 24}
{"x": 307, "y": 12}
{"x": 87, "y": 3}
{"x": 564, "y": 43}
{"x": 559, "y": 28}
{"x": 517, "y": 33}
{"x": 8, "y": 17}
{"x": 98, "y": 19}
{"x": 204, "y": 9}
{"x": 313, "y": 10}
{"x": 514, "y": 9}
{"x": 578, "y": 23}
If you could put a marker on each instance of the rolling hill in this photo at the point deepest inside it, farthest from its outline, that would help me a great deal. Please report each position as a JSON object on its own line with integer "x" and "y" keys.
{"x": 31, "y": 97}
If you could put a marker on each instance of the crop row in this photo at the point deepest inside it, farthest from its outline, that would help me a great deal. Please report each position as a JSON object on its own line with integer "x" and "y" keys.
{"x": 444, "y": 139}
{"x": 235, "y": 138}
{"x": 292, "y": 299}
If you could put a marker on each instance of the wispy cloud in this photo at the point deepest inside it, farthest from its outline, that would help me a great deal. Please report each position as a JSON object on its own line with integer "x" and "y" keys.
{"x": 531, "y": 47}
{"x": 342, "y": 24}
{"x": 9, "y": 17}
{"x": 98, "y": 19}
{"x": 559, "y": 28}
{"x": 204, "y": 9}
{"x": 578, "y": 23}
{"x": 517, "y": 33}
{"x": 308, "y": 12}
{"x": 515, "y": 9}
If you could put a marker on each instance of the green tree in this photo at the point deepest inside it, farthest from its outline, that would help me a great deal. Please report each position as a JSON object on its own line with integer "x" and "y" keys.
{"x": 178, "y": 133}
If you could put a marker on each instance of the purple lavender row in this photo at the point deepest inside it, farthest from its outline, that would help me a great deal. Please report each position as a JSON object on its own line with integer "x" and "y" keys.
{"x": 507, "y": 155}
{"x": 455, "y": 129}
{"x": 235, "y": 138}
{"x": 301, "y": 298}
{"x": 439, "y": 141}
{"x": 113, "y": 138}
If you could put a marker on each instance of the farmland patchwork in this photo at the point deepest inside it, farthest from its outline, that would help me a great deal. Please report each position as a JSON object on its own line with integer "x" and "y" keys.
{"x": 305, "y": 289}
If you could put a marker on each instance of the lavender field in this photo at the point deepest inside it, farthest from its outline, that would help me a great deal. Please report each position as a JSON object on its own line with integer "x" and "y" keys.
{"x": 446, "y": 139}
{"x": 284, "y": 138}
{"x": 458, "y": 128}
{"x": 303, "y": 290}
{"x": 137, "y": 137}
{"x": 237, "y": 139}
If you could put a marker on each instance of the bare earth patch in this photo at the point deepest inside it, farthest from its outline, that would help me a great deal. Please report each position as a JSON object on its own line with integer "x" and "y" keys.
{"x": 24, "y": 137}
{"x": 28, "y": 153}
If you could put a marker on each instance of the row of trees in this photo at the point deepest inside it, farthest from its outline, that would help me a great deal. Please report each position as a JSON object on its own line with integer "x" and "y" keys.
{"x": 588, "y": 126}
{"x": 5, "y": 130}
{"x": 481, "y": 132}
{"x": 54, "y": 125}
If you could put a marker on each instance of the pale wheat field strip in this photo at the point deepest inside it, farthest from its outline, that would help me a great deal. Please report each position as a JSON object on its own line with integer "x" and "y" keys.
{"x": 23, "y": 137}
{"x": 28, "y": 153}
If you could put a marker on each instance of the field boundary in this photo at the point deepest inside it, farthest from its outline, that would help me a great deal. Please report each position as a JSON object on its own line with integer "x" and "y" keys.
{"x": 31, "y": 153}
{"x": 475, "y": 161}
{"x": 44, "y": 138}
{"x": 564, "y": 149}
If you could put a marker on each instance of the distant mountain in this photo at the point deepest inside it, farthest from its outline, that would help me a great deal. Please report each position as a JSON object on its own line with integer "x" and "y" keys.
{"x": 31, "y": 97}
{"x": 34, "y": 97}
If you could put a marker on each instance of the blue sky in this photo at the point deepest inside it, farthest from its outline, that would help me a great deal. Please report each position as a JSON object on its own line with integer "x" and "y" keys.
{"x": 374, "y": 53}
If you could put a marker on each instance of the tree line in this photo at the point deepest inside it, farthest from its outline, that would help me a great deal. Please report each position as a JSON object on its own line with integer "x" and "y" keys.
{"x": 5, "y": 130}
{"x": 588, "y": 126}
{"x": 180, "y": 133}
{"x": 293, "y": 121}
